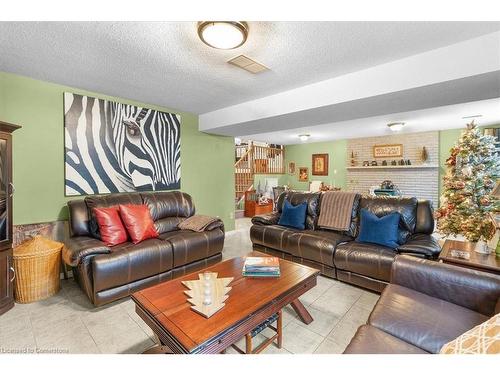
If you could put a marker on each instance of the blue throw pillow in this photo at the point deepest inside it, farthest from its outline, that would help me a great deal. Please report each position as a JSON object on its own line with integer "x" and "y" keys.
{"x": 382, "y": 231}
{"x": 293, "y": 216}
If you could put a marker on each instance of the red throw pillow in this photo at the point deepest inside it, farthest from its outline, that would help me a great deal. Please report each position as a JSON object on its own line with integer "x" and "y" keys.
{"x": 138, "y": 221}
{"x": 110, "y": 225}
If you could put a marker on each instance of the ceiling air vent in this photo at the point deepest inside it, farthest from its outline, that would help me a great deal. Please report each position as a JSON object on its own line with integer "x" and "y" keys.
{"x": 248, "y": 64}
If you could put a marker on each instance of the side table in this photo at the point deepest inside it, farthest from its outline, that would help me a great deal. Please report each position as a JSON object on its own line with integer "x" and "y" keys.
{"x": 481, "y": 262}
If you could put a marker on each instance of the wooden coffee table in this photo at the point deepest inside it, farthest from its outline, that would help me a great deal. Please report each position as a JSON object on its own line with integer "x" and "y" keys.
{"x": 251, "y": 301}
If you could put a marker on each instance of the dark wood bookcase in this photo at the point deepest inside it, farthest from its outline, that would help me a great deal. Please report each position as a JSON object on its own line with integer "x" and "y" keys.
{"x": 7, "y": 273}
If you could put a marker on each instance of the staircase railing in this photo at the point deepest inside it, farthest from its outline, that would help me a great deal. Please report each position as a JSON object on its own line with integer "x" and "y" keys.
{"x": 243, "y": 171}
{"x": 268, "y": 160}
{"x": 253, "y": 159}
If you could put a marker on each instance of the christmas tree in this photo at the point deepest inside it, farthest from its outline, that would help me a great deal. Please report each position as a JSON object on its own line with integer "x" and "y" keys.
{"x": 467, "y": 205}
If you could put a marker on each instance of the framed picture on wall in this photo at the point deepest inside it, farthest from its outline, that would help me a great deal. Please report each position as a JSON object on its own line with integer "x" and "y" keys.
{"x": 291, "y": 167}
{"x": 387, "y": 151}
{"x": 112, "y": 147}
{"x": 320, "y": 164}
{"x": 303, "y": 174}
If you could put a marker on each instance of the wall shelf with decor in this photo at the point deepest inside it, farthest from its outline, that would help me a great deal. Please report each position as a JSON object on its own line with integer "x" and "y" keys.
{"x": 395, "y": 167}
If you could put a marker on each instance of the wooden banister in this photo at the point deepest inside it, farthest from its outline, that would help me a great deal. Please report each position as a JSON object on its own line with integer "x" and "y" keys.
{"x": 253, "y": 159}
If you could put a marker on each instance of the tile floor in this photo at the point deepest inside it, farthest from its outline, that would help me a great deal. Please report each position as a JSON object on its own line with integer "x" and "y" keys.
{"x": 68, "y": 322}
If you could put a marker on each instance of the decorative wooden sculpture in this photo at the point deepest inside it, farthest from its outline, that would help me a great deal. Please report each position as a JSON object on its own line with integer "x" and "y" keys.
{"x": 207, "y": 295}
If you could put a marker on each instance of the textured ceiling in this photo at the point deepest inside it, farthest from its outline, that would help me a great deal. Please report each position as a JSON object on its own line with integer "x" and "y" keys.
{"x": 165, "y": 63}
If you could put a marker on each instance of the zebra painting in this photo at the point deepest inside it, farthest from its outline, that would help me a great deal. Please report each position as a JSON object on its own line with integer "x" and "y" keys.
{"x": 113, "y": 147}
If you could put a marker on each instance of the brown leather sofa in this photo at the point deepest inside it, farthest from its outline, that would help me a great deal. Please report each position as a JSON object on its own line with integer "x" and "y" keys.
{"x": 335, "y": 253}
{"x": 109, "y": 273}
{"x": 426, "y": 305}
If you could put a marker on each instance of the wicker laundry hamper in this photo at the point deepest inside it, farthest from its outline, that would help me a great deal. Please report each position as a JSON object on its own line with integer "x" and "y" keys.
{"x": 37, "y": 263}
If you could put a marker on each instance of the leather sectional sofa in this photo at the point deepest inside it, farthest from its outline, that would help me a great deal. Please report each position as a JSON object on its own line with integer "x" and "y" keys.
{"x": 109, "y": 273}
{"x": 426, "y": 305}
{"x": 337, "y": 254}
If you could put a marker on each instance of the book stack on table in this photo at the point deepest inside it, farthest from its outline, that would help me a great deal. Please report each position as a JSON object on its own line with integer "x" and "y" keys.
{"x": 261, "y": 267}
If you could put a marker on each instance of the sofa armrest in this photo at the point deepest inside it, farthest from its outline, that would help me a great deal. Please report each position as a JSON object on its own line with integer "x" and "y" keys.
{"x": 420, "y": 244}
{"x": 475, "y": 290}
{"x": 77, "y": 248}
{"x": 266, "y": 219}
{"x": 216, "y": 224}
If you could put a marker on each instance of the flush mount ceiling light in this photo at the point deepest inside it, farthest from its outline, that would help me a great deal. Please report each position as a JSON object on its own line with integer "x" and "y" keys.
{"x": 396, "y": 126}
{"x": 223, "y": 34}
{"x": 304, "y": 137}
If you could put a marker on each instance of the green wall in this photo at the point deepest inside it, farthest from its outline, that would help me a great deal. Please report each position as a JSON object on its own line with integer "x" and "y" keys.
{"x": 447, "y": 139}
{"x": 301, "y": 154}
{"x": 207, "y": 171}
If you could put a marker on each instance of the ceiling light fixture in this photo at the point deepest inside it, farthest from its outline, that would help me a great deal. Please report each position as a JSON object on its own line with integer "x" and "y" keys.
{"x": 304, "y": 137}
{"x": 396, "y": 126}
{"x": 223, "y": 34}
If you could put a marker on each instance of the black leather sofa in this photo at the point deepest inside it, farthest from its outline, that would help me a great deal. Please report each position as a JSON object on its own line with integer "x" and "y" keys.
{"x": 337, "y": 254}
{"x": 426, "y": 305}
{"x": 109, "y": 273}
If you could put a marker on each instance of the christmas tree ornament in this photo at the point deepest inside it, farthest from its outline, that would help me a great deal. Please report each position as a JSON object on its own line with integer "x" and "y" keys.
{"x": 467, "y": 171}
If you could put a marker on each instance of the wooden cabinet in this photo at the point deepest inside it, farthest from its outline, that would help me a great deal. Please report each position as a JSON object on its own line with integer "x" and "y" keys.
{"x": 6, "y": 191}
{"x": 7, "y": 275}
{"x": 252, "y": 206}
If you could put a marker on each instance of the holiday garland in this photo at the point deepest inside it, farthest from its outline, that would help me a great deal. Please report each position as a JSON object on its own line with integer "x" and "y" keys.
{"x": 467, "y": 205}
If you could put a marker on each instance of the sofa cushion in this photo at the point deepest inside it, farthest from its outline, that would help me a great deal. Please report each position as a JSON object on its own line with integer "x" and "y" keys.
{"x": 293, "y": 216}
{"x": 316, "y": 245}
{"x": 78, "y": 218}
{"x": 271, "y": 218}
{"x": 110, "y": 225}
{"x": 425, "y": 217}
{"x": 168, "y": 224}
{"x": 421, "y": 320}
{"x": 366, "y": 259}
{"x": 297, "y": 197}
{"x": 128, "y": 262}
{"x": 272, "y": 236}
{"x": 371, "y": 340}
{"x": 421, "y": 244}
{"x": 109, "y": 200}
{"x": 168, "y": 204}
{"x": 189, "y": 246}
{"x": 138, "y": 222}
{"x": 379, "y": 230}
{"x": 382, "y": 206}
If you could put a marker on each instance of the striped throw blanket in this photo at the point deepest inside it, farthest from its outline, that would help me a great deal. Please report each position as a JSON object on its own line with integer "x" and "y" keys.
{"x": 336, "y": 208}
{"x": 197, "y": 223}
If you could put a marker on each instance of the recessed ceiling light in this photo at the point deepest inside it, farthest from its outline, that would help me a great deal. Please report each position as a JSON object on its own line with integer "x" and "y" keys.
{"x": 396, "y": 126}
{"x": 223, "y": 34}
{"x": 304, "y": 137}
